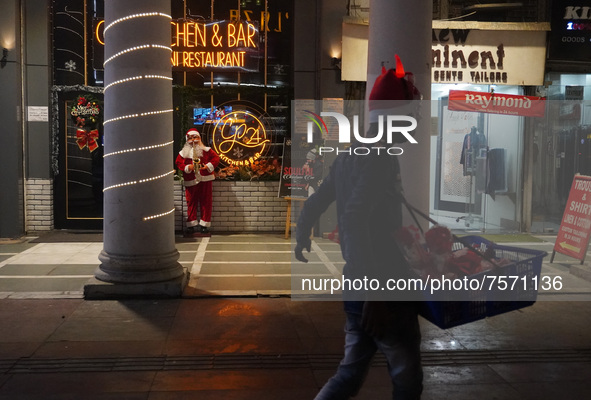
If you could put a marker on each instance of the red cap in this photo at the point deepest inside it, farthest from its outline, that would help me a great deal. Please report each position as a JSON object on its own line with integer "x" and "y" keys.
{"x": 191, "y": 133}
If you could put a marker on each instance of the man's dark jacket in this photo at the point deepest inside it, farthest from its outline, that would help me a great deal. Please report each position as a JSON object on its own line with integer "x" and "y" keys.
{"x": 367, "y": 191}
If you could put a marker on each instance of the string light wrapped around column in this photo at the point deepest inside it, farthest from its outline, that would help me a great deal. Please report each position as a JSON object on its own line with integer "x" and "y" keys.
{"x": 138, "y": 190}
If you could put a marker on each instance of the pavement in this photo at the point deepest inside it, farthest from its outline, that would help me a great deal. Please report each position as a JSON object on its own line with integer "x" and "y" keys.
{"x": 237, "y": 333}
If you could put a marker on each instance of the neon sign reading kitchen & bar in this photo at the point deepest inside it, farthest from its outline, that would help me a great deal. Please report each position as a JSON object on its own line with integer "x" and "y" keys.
{"x": 206, "y": 46}
{"x": 214, "y": 45}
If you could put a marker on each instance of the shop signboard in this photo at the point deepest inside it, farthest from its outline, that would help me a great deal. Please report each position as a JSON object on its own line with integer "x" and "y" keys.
{"x": 215, "y": 45}
{"x": 478, "y": 54}
{"x": 496, "y": 103}
{"x": 575, "y": 227}
{"x": 571, "y": 31}
{"x": 227, "y": 45}
{"x": 488, "y": 57}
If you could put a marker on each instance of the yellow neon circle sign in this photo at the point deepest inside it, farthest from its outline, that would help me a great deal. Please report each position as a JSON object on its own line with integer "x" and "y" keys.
{"x": 240, "y": 138}
{"x": 99, "y": 33}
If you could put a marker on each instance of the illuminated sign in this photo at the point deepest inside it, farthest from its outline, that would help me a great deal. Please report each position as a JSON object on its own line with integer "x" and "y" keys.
{"x": 570, "y": 38}
{"x": 214, "y": 45}
{"x": 240, "y": 138}
{"x": 204, "y": 46}
{"x": 270, "y": 22}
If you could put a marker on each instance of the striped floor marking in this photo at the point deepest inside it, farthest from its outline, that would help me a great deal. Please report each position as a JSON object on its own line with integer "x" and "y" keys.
{"x": 327, "y": 263}
{"x": 198, "y": 262}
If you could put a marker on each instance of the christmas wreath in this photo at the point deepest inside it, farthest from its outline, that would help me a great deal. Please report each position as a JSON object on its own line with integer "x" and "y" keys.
{"x": 86, "y": 115}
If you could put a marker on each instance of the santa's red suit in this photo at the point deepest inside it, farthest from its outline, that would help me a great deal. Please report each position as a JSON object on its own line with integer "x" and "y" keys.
{"x": 198, "y": 183}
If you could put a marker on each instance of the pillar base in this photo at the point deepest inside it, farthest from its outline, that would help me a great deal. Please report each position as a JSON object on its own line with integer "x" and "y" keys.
{"x": 96, "y": 289}
{"x": 138, "y": 268}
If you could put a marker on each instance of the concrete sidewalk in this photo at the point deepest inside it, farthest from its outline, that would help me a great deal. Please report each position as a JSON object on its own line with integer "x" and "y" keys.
{"x": 232, "y": 265}
{"x": 237, "y": 334}
{"x": 273, "y": 348}
{"x": 223, "y": 265}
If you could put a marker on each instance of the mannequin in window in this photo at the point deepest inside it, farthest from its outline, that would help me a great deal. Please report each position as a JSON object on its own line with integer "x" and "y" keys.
{"x": 473, "y": 142}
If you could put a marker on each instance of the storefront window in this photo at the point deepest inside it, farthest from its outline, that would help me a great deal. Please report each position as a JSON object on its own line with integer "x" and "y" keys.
{"x": 244, "y": 63}
{"x": 262, "y": 85}
{"x": 561, "y": 147}
{"x": 476, "y": 167}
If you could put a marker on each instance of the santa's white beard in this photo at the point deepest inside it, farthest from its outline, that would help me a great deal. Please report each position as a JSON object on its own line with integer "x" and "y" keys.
{"x": 190, "y": 151}
{"x": 197, "y": 151}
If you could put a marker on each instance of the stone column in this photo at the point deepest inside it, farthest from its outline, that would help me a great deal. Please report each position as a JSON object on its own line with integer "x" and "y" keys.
{"x": 139, "y": 257}
{"x": 404, "y": 28}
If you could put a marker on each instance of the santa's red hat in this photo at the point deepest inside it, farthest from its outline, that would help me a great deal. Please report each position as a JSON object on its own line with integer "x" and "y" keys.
{"x": 393, "y": 88}
{"x": 192, "y": 134}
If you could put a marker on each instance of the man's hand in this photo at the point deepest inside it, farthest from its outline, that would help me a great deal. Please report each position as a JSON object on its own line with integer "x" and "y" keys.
{"x": 300, "y": 247}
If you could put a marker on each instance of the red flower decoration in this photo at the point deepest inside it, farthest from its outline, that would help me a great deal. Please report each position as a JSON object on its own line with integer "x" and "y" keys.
{"x": 439, "y": 239}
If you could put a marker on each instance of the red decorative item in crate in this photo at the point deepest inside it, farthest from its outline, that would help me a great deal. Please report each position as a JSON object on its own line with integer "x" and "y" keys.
{"x": 449, "y": 309}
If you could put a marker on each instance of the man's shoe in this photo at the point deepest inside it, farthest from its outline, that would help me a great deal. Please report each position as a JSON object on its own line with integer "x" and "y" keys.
{"x": 204, "y": 229}
{"x": 190, "y": 230}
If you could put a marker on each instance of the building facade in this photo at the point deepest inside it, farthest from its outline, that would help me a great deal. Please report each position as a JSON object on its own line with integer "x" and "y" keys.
{"x": 52, "y": 58}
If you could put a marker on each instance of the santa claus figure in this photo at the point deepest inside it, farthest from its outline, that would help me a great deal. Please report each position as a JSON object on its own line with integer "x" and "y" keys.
{"x": 197, "y": 162}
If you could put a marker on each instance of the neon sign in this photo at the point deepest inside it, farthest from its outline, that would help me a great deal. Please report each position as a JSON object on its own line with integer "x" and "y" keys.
{"x": 216, "y": 34}
{"x": 240, "y": 138}
{"x": 206, "y": 46}
{"x": 570, "y": 31}
{"x": 214, "y": 45}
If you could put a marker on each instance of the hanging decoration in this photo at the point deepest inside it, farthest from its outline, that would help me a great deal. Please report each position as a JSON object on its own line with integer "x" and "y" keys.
{"x": 87, "y": 138}
{"x": 86, "y": 116}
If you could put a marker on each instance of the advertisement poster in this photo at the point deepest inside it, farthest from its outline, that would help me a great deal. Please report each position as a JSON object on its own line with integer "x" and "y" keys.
{"x": 301, "y": 170}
